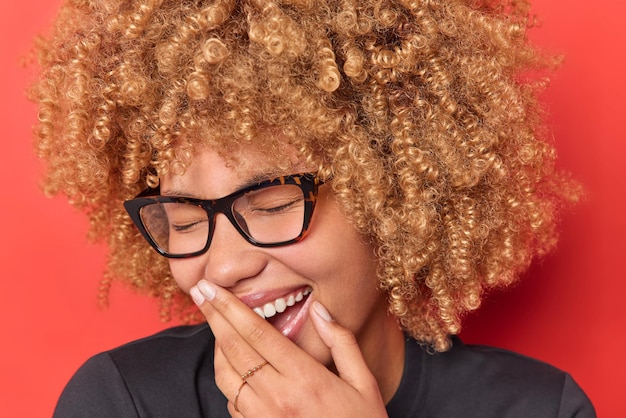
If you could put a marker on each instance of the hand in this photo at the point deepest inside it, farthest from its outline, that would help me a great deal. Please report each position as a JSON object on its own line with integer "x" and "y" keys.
{"x": 292, "y": 383}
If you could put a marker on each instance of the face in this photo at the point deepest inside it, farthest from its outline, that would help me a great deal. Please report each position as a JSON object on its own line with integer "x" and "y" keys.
{"x": 331, "y": 264}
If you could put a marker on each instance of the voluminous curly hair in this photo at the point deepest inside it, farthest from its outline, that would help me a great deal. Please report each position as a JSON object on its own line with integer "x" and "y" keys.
{"x": 422, "y": 114}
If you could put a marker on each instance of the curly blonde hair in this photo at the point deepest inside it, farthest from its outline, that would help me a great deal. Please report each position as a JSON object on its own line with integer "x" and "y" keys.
{"x": 422, "y": 113}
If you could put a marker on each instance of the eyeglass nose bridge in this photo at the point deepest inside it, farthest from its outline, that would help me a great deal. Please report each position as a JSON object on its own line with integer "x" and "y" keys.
{"x": 225, "y": 207}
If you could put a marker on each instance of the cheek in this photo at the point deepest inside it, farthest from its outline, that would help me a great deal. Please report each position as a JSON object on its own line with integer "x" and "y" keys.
{"x": 339, "y": 261}
{"x": 186, "y": 272}
{"x": 349, "y": 280}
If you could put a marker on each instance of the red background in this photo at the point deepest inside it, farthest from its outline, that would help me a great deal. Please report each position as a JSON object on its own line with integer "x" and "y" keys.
{"x": 568, "y": 310}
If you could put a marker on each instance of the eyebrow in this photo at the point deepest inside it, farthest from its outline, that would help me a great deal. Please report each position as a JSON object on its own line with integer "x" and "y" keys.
{"x": 253, "y": 180}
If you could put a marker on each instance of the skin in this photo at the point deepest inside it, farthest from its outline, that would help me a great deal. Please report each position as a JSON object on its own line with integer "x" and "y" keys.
{"x": 348, "y": 348}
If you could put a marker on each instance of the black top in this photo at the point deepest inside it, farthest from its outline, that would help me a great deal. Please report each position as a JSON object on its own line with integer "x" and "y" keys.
{"x": 170, "y": 374}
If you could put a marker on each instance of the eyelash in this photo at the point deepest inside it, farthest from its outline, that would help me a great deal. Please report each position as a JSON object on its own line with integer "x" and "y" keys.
{"x": 185, "y": 227}
{"x": 281, "y": 207}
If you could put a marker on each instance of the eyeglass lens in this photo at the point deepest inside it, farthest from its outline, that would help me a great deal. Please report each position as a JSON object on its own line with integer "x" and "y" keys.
{"x": 269, "y": 215}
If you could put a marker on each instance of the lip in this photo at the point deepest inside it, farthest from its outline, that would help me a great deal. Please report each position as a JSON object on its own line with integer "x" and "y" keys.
{"x": 291, "y": 325}
{"x": 291, "y": 329}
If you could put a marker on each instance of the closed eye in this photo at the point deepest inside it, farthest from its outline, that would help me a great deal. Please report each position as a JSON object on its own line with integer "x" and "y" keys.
{"x": 187, "y": 227}
{"x": 279, "y": 208}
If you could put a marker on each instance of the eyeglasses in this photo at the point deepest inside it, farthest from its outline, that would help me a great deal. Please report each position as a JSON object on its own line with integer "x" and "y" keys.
{"x": 271, "y": 213}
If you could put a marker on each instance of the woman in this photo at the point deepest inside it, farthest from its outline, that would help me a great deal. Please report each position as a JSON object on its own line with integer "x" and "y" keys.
{"x": 334, "y": 184}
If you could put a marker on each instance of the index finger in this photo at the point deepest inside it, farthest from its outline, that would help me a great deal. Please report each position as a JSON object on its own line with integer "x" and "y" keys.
{"x": 262, "y": 337}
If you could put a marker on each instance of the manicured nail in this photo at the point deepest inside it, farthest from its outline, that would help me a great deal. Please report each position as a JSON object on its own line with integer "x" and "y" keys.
{"x": 196, "y": 295}
{"x": 207, "y": 289}
{"x": 322, "y": 311}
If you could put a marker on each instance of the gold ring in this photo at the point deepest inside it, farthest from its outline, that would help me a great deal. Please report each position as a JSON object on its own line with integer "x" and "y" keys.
{"x": 237, "y": 394}
{"x": 253, "y": 370}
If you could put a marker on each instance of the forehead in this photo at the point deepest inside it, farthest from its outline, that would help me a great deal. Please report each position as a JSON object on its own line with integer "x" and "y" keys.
{"x": 214, "y": 172}
{"x": 251, "y": 158}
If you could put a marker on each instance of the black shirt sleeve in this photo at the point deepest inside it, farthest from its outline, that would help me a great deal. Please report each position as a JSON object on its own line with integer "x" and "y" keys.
{"x": 97, "y": 390}
{"x": 574, "y": 402}
{"x": 169, "y": 374}
{"x": 486, "y": 382}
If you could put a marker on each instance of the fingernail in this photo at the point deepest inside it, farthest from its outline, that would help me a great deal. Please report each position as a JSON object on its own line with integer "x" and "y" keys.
{"x": 322, "y": 311}
{"x": 196, "y": 295}
{"x": 207, "y": 289}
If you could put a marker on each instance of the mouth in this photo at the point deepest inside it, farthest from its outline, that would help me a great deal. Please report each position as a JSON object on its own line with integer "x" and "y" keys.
{"x": 287, "y": 313}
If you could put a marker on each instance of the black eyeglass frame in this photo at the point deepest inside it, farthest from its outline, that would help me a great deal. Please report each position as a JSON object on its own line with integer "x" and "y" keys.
{"x": 308, "y": 182}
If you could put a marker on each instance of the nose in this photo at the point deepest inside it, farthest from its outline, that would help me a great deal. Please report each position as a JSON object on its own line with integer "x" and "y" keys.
{"x": 230, "y": 257}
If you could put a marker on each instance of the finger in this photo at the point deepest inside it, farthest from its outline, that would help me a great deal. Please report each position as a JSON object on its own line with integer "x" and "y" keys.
{"x": 227, "y": 376}
{"x": 253, "y": 330}
{"x": 240, "y": 395}
{"x": 344, "y": 349}
{"x": 239, "y": 355}
{"x": 232, "y": 360}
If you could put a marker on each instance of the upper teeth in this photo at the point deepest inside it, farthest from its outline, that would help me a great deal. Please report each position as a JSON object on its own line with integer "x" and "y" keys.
{"x": 279, "y": 305}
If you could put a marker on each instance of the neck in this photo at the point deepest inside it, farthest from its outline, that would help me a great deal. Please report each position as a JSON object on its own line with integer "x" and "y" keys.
{"x": 383, "y": 350}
